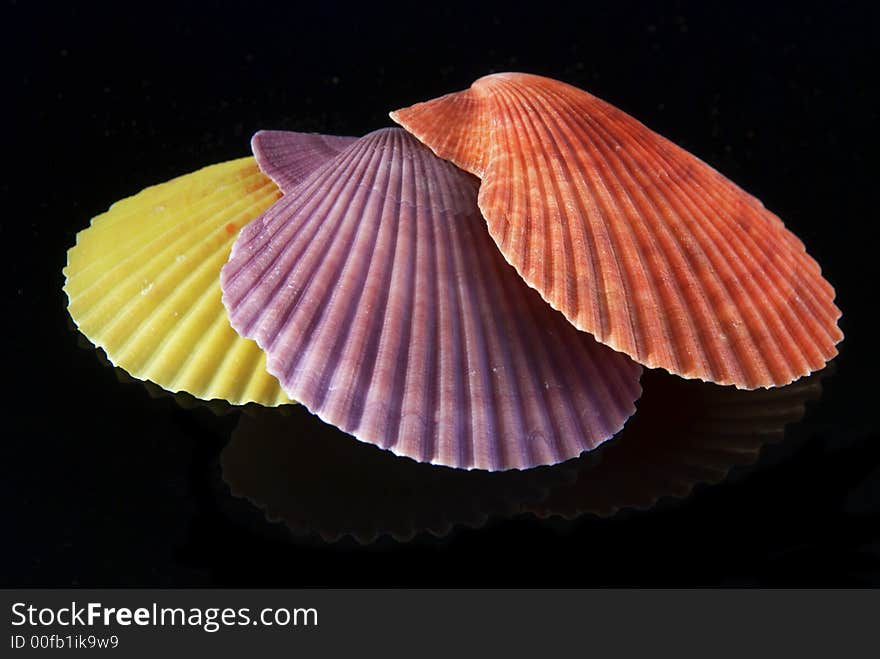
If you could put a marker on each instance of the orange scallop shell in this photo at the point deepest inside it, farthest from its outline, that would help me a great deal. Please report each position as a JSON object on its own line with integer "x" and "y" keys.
{"x": 635, "y": 240}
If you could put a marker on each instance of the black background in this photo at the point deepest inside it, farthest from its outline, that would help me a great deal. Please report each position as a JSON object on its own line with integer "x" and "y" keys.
{"x": 102, "y": 484}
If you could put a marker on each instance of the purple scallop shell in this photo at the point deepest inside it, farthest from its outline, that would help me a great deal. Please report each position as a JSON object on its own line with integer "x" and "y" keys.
{"x": 386, "y": 309}
{"x": 288, "y": 158}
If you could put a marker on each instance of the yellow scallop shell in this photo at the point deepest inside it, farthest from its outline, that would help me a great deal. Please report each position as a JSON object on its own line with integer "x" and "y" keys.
{"x": 143, "y": 283}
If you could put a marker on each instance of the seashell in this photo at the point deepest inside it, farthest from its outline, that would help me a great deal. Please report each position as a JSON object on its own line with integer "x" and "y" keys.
{"x": 143, "y": 284}
{"x": 288, "y": 157}
{"x": 143, "y": 279}
{"x": 686, "y": 433}
{"x": 386, "y": 309}
{"x": 316, "y": 481}
{"x": 635, "y": 240}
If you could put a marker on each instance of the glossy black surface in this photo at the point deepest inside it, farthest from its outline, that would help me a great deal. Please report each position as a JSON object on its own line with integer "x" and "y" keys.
{"x": 103, "y": 484}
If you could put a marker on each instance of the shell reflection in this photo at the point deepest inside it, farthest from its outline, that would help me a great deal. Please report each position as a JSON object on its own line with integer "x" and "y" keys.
{"x": 317, "y": 481}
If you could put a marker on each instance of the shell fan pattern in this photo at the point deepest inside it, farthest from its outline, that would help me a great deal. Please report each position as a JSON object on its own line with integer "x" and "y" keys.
{"x": 478, "y": 289}
{"x": 385, "y": 308}
{"x": 143, "y": 281}
{"x": 143, "y": 284}
{"x": 635, "y": 240}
